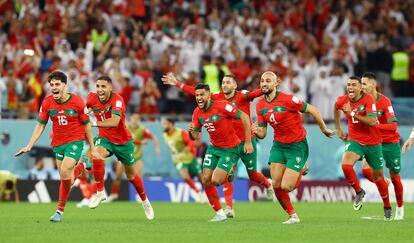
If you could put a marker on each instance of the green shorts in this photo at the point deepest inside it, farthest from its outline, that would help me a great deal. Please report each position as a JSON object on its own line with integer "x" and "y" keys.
{"x": 223, "y": 158}
{"x": 124, "y": 152}
{"x": 249, "y": 160}
{"x": 293, "y": 155}
{"x": 372, "y": 153}
{"x": 193, "y": 168}
{"x": 392, "y": 156}
{"x": 72, "y": 149}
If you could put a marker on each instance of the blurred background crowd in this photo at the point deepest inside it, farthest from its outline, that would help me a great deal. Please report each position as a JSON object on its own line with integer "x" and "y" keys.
{"x": 312, "y": 45}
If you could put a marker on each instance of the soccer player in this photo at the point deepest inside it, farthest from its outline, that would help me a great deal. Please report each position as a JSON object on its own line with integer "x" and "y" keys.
{"x": 407, "y": 145}
{"x": 183, "y": 152}
{"x": 290, "y": 147}
{"x": 242, "y": 100}
{"x": 140, "y": 135}
{"x": 363, "y": 141}
{"x": 113, "y": 138}
{"x": 391, "y": 150}
{"x": 222, "y": 153}
{"x": 71, "y": 125}
{"x": 8, "y": 186}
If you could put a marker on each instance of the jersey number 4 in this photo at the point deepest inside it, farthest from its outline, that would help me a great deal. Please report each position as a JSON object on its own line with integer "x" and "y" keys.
{"x": 62, "y": 120}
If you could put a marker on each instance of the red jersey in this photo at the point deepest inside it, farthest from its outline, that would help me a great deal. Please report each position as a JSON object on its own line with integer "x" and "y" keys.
{"x": 357, "y": 131}
{"x": 217, "y": 119}
{"x": 283, "y": 114}
{"x": 68, "y": 119}
{"x": 385, "y": 115}
{"x": 241, "y": 100}
{"x": 114, "y": 106}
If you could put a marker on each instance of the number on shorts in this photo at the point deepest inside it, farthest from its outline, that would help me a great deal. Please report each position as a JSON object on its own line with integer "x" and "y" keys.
{"x": 207, "y": 160}
{"x": 97, "y": 142}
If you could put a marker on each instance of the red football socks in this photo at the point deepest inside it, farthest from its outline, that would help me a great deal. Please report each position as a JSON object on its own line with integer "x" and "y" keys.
{"x": 383, "y": 190}
{"x": 213, "y": 197}
{"x": 115, "y": 188}
{"x": 398, "y": 188}
{"x": 284, "y": 200}
{"x": 367, "y": 172}
{"x": 259, "y": 178}
{"x": 351, "y": 176}
{"x": 228, "y": 189}
{"x": 78, "y": 169}
{"x": 99, "y": 172}
{"x": 64, "y": 190}
{"x": 192, "y": 185}
{"x": 139, "y": 187}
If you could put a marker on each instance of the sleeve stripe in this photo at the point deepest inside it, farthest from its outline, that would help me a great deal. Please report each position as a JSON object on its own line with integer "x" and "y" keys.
{"x": 86, "y": 121}
{"x": 196, "y": 129}
{"x": 372, "y": 114}
{"x": 264, "y": 124}
{"x": 393, "y": 119}
{"x": 305, "y": 105}
{"x": 118, "y": 113}
{"x": 238, "y": 115}
{"x": 41, "y": 121}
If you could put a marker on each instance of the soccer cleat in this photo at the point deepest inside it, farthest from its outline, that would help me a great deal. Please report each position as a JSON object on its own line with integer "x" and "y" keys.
{"x": 305, "y": 169}
{"x": 231, "y": 176}
{"x": 270, "y": 192}
{"x": 293, "y": 219}
{"x": 111, "y": 198}
{"x": 229, "y": 213}
{"x": 399, "y": 213}
{"x": 218, "y": 218}
{"x": 56, "y": 218}
{"x": 84, "y": 203}
{"x": 358, "y": 200}
{"x": 149, "y": 212}
{"x": 387, "y": 214}
{"x": 97, "y": 199}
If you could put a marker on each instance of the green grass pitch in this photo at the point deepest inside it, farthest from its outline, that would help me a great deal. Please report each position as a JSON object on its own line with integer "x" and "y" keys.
{"x": 187, "y": 222}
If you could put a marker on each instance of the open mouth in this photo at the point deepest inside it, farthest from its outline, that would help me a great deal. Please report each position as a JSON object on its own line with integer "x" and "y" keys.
{"x": 55, "y": 93}
{"x": 101, "y": 95}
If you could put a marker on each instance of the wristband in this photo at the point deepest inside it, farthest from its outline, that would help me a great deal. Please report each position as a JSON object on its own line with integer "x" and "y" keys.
{"x": 412, "y": 134}
{"x": 94, "y": 124}
{"x": 352, "y": 113}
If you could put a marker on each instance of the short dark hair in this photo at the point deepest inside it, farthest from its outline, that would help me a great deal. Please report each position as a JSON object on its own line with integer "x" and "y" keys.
{"x": 369, "y": 75}
{"x": 356, "y": 78}
{"x": 230, "y": 76}
{"x": 172, "y": 121}
{"x": 203, "y": 86}
{"x": 58, "y": 75}
{"x": 9, "y": 185}
{"x": 106, "y": 78}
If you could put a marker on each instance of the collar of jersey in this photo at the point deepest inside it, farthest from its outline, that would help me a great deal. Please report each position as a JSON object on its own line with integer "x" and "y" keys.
{"x": 378, "y": 97}
{"x": 208, "y": 108}
{"x": 70, "y": 97}
{"x": 362, "y": 96}
{"x": 103, "y": 103}
{"x": 277, "y": 93}
{"x": 235, "y": 93}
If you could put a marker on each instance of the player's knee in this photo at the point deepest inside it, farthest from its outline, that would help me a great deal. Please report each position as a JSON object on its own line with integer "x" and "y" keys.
{"x": 288, "y": 187}
{"x": 205, "y": 181}
{"x": 276, "y": 183}
{"x": 218, "y": 181}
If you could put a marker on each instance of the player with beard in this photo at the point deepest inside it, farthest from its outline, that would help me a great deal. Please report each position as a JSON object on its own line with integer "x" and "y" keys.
{"x": 290, "y": 148}
{"x": 223, "y": 152}
{"x": 241, "y": 100}
{"x": 71, "y": 126}
{"x": 363, "y": 141}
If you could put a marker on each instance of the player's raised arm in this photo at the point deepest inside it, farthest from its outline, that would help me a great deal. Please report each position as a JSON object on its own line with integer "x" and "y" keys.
{"x": 318, "y": 118}
{"x": 170, "y": 79}
{"x": 407, "y": 145}
{"x": 193, "y": 131}
{"x": 337, "y": 119}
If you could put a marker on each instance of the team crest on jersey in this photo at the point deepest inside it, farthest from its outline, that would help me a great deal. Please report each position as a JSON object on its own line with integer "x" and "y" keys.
{"x": 234, "y": 103}
{"x": 298, "y": 159}
{"x": 361, "y": 108}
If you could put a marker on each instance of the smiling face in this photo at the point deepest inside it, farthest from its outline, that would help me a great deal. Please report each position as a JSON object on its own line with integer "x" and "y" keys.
{"x": 353, "y": 89}
{"x": 368, "y": 85}
{"x": 228, "y": 85}
{"x": 103, "y": 89}
{"x": 268, "y": 82}
{"x": 202, "y": 97}
{"x": 57, "y": 88}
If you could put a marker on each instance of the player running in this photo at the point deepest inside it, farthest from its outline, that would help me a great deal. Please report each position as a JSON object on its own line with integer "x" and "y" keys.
{"x": 222, "y": 153}
{"x": 140, "y": 135}
{"x": 391, "y": 149}
{"x": 183, "y": 151}
{"x": 242, "y": 100}
{"x": 71, "y": 125}
{"x": 364, "y": 141}
{"x": 290, "y": 147}
{"x": 113, "y": 138}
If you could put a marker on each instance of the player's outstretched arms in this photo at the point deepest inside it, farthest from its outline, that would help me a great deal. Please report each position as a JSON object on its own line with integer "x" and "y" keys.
{"x": 111, "y": 122}
{"x": 407, "y": 145}
{"x": 169, "y": 79}
{"x": 318, "y": 118}
{"x": 38, "y": 130}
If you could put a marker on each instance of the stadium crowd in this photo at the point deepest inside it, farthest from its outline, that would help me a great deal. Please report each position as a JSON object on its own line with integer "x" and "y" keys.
{"x": 312, "y": 45}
